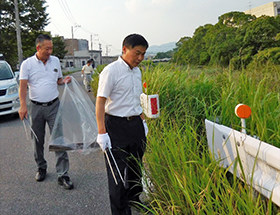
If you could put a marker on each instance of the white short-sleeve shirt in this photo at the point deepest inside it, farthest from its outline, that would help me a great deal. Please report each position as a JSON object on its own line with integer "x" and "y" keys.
{"x": 87, "y": 69}
{"x": 122, "y": 87}
{"x": 42, "y": 78}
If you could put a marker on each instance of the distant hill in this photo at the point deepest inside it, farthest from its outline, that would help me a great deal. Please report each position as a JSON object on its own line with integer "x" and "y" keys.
{"x": 162, "y": 48}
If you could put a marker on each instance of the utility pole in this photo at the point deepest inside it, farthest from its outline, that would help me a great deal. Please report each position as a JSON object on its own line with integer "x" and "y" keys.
{"x": 100, "y": 48}
{"x": 19, "y": 45}
{"x": 91, "y": 42}
{"x": 107, "y": 49}
{"x": 76, "y": 26}
{"x": 73, "y": 56}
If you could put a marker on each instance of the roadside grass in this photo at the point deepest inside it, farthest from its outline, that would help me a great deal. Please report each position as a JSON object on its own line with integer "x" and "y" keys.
{"x": 179, "y": 174}
{"x": 95, "y": 79}
{"x": 70, "y": 71}
{"x": 182, "y": 177}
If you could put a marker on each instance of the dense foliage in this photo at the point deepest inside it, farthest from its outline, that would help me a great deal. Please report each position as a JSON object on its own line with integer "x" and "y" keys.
{"x": 33, "y": 19}
{"x": 236, "y": 40}
{"x": 161, "y": 55}
{"x": 59, "y": 47}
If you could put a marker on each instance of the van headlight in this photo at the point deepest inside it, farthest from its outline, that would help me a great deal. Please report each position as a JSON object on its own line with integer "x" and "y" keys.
{"x": 12, "y": 89}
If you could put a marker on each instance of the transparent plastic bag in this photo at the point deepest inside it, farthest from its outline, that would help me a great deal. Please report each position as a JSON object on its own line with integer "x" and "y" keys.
{"x": 75, "y": 127}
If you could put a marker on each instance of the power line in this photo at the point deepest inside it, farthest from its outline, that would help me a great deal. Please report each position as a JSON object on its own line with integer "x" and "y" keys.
{"x": 66, "y": 12}
{"x": 56, "y": 27}
{"x": 113, "y": 48}
{"x": 69, "y": 12}
{"x": 86, "y": 30}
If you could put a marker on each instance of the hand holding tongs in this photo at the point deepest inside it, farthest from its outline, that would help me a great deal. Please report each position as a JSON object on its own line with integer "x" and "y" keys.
{"x": 27, "y": 121}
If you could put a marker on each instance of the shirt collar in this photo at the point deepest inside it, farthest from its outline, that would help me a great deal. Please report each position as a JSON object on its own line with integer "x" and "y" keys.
{"x": 49, "y": 60}
{"x": 36, "y": 57}
{"x": 128, "y": 67}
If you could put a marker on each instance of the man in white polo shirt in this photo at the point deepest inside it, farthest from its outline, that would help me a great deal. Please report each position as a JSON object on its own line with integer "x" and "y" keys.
{"x": 41, "y": 73}
{"x": 121, "y": 124}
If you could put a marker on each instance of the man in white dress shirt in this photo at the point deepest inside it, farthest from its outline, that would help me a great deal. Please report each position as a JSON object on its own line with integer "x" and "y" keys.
{"x": 121, "y": 123}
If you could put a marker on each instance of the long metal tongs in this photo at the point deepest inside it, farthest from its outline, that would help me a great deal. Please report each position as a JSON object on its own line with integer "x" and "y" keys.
{"x": 27, "y": 121}
{"x": 110, "y": 165}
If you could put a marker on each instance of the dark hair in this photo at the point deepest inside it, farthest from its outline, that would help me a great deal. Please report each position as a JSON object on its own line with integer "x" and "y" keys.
{"x": 133, "y": 40}
{"x": 41, "y": 38}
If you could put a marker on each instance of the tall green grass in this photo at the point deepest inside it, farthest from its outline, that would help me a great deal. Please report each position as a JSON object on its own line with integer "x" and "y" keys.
{"x": 182, "y": 177}
{"x": 184, "y": 180}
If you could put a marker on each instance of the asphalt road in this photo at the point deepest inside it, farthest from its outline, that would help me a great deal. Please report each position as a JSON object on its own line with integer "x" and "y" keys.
{"x": 21, "y": 194}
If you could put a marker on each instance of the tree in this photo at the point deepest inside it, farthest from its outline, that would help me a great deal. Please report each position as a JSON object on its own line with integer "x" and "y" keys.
{"x": 189, "y": 50}
{"x": 161, "y": 55}
{"x": 198, "y": 53}
{"x": 223, "y": 44}
{"x": 59, "y": 47}
{"x": 221, "y": 41}
{"x": 33, "y": 19}
{"x": 235, "y": 19}
{"x": 181, "y": 48}
{"x": 234, "y": 40}
{"x": 270, "y": 55}
{"x": 261, "y": 34}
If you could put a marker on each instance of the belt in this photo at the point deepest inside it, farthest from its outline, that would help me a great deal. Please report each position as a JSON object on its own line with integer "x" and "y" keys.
{"x": 45, "y": 104}
{"x": 127, "y": 118}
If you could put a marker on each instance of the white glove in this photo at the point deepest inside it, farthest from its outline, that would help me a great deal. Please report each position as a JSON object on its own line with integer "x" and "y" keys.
{"x": 82, "y": 75}
{"x": 145, "y": 127}
{"x": 104, "y": 141}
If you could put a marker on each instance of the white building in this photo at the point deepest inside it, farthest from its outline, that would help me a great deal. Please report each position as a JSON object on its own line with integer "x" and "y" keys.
{"x": 81, "y": 58}
{"x": 269, "y": 9}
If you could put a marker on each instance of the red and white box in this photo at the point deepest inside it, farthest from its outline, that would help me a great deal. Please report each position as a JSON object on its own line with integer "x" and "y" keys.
{"x": 150, "y": 105}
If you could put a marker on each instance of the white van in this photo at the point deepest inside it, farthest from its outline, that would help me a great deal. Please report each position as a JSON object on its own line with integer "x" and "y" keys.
{"x": 9, "y": 98}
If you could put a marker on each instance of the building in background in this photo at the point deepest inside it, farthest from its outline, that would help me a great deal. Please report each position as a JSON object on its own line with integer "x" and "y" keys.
{"x": 269, "y": 9}
{"x": 81, "y": 57}
{"x": 108, "y": 59}
{"x": 79, "y": 53}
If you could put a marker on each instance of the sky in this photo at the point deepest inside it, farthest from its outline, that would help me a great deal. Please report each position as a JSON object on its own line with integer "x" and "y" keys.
{"x": 108, "y": 22}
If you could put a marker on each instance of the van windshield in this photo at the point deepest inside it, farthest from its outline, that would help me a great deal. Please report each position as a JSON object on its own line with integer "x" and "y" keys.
{"x": 5, "y": 71}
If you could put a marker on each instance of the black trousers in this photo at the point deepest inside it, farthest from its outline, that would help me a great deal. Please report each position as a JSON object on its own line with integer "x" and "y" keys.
{"x": 128, "y": 146}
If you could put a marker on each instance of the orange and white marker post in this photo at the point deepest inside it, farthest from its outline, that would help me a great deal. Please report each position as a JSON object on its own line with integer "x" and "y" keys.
{"x": 243, "y": 112}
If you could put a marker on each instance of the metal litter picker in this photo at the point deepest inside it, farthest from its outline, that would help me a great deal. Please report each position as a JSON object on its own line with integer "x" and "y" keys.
{"x": 32, "y": 131}
{"x": 110, "y": 165}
